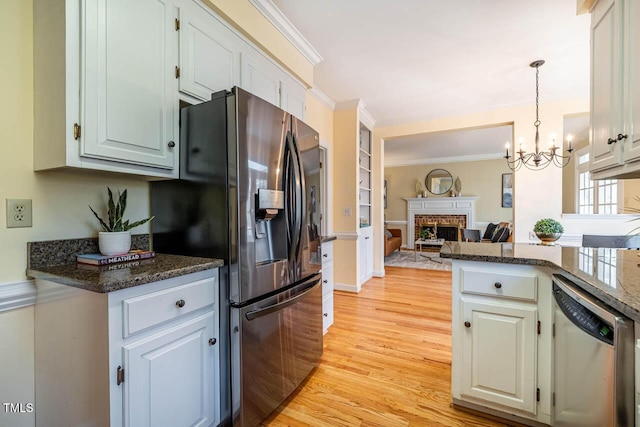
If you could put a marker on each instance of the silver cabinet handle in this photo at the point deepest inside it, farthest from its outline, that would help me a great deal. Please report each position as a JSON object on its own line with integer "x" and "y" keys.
{"x": 180, "y": 303}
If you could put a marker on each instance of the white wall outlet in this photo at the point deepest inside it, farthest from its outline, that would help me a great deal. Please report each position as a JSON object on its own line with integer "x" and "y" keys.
{"x": 19, "y": 213}
{"x": 347, "y": 211}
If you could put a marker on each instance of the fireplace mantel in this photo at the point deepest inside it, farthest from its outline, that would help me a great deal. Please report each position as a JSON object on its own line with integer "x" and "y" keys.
{"x": 438, "y": 206}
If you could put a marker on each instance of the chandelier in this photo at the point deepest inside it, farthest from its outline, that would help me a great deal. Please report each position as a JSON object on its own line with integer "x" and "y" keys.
{"x": 538, "y": 160}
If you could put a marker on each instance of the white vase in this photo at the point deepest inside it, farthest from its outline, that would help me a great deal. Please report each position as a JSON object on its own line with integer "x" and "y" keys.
{"x": 114, "y": 243}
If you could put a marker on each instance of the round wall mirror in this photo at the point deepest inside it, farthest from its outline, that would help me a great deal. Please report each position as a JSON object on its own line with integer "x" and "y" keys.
{"x": 438, "y": 181}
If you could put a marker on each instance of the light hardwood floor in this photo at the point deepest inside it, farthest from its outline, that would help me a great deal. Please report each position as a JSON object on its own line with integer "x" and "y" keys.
{"x": 386, "y": 361}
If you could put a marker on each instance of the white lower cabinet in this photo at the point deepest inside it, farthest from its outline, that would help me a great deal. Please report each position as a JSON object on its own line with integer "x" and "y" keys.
{"x": 141, "y": 356}
{"x": 365, "y": 254}
{"x": 499, "y": 353}
{"x": 327, "y": 285}
{"x": 169, "y": 376}
{"x": 502, "y": 339}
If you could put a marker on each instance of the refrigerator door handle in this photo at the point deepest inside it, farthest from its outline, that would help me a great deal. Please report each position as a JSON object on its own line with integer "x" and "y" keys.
{"x": 251, "y": 315}
{"x": 294, "y": 221}
{"x": 302, "y": 213}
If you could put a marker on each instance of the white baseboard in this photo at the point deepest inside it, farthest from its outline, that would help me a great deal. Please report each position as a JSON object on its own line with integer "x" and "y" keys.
{"x": 17, "y": 294}
{"x": 378, "y": 273}
{"x": 346, "y": 287}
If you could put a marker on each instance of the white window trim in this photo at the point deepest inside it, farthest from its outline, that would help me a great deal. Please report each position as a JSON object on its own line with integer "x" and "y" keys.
{"x": 576, "y": 192}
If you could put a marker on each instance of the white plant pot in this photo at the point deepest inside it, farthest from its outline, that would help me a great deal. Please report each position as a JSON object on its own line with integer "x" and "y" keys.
{"x": 114, "y": 243}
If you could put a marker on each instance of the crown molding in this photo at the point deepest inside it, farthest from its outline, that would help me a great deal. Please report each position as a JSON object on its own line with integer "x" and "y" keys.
{"x": 323, "y": 98}
{"x": 436, "y": 160}
{"x": 17, "y": 294}
{"x": 366, "y": 118}
{"x": 287, "y": 29}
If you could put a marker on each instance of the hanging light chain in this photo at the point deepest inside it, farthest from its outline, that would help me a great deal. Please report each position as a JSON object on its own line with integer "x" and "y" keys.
{"x": 537, "y": 122}
{"x": 538, "y": 160}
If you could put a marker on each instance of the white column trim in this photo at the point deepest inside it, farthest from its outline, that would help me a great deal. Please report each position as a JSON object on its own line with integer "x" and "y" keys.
{"x": 346, "y": 236}
{"x": 346, "y": 287}
{"x": 17, "y": 294}
{"x": 379, "y": 273}
{"x": 287, "y": 29}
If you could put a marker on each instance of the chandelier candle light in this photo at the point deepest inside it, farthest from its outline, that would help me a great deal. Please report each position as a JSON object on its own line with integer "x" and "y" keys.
{"x": 538, "y": 160}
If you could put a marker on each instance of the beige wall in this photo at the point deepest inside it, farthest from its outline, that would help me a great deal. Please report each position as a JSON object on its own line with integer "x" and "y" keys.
{"x": 479, "y": 178}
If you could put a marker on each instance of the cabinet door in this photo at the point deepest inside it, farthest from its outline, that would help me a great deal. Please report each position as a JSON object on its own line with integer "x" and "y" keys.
{"x": 606, "y": 78}
{"x": 128, "y": 86}
{"x": 632, "y": 57}
{"x": 293, "y": 99}
{"x": 260, "y": 77}
{"x": 499, "y": 354}
{"x": 171, "y": 377}
{"x": 208, "y": 60}
{"x": 365, "y": 253}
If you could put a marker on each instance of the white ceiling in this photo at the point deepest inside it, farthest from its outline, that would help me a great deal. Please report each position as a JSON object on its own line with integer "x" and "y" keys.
{"x": 411, "y": 60}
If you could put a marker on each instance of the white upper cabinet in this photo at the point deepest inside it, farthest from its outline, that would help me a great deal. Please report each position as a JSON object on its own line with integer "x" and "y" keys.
{"x": 293, "y": 98}
{"x": 632, "y": 102}
{"x": 260, "y": 77}
{"x": 606, "y": 95}
{"x": 109, "y": 76}
{"x": 128, "y": 90}
{"x": 105, "y": 88}
{"x": 209, "y": 59}
{"x": 615, "y": 89}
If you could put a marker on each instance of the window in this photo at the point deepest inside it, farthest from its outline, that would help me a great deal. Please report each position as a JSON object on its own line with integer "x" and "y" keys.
{"x": 594, "y": 197}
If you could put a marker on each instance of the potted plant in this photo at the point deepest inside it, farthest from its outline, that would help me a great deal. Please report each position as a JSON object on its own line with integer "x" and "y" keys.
{"x": 116, "y": 237}
{"x": 548, "y": 230}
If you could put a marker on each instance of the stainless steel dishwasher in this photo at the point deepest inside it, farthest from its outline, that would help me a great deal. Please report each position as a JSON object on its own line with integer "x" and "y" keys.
{"x": 593, "y": 361}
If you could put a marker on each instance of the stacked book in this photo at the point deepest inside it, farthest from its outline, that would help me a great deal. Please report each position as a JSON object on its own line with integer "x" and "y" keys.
{"x": 99, "y": 259}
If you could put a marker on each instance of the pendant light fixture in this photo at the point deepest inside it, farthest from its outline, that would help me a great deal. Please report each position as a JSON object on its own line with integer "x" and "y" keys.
{"x": 538, "y": 159}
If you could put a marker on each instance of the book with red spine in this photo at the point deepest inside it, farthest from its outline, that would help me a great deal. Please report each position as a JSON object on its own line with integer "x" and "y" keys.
{"x": 99, "y": 259}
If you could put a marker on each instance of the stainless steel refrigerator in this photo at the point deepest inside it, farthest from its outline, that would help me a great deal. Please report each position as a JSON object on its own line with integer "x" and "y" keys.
{"x": 248, "y": 190}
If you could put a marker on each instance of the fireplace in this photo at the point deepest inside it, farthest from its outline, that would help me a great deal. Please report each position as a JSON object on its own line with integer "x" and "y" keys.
{"x": 449, "y": 213}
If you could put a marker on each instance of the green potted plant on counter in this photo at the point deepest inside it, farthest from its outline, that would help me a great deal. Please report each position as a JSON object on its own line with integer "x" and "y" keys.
{"x": 548, "y": 231}
{"x": 116, "y": 237}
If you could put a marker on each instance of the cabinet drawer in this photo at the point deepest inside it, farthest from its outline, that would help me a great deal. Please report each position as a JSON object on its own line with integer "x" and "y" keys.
{"x": 151, "y": 309}
{"x": 327, "y": 279}
{"x": 327, "y": 312}
{"x": 516, "y": 285}
{"x": 327, "y": 252}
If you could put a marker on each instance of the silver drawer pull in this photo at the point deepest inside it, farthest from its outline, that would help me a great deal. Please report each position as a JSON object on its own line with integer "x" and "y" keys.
{"x": 498, "y": 285}
{"x": 180, "y": 303}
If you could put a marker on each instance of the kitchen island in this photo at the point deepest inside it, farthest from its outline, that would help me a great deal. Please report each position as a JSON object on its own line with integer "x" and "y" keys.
{"x": 611, "y": 275}
{"x": 504, "y": 327}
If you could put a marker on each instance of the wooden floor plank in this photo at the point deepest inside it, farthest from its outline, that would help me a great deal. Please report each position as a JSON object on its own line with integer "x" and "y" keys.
{"x": 386, "y": 360}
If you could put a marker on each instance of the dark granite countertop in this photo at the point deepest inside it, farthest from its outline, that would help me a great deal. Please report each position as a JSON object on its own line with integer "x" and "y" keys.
{"x": 611, "y": 275}
{"x": 324, "y": 239}
{"x": 55, "y": 260}
{"x": 114, "y": 277}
